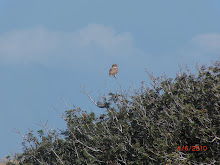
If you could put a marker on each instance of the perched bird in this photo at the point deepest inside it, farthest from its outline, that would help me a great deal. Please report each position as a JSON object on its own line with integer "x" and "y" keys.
{"x": 114, "y": 70}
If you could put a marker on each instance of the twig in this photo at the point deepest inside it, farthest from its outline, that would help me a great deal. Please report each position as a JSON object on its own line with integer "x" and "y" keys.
{"x": 89, "y": 96}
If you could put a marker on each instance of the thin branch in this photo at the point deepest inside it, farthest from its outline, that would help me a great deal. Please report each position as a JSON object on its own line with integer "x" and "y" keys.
{"x": 89, "y": 96}
{"x": 65, "y": 103}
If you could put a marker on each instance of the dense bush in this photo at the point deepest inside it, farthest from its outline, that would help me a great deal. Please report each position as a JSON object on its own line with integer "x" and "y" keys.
{"x": 157, "y": 125}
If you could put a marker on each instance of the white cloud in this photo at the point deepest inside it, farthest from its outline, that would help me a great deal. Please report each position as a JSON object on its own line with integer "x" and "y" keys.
{"x": 207, "y": 42}
{"x": 40, "y": 45}
{"x": 202, "y": 48}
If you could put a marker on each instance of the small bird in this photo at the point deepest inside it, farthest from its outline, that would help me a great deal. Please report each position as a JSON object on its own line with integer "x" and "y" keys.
{"x": 114, "y": 70}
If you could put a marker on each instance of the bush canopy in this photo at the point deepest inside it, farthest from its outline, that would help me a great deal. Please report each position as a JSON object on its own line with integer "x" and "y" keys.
{"x": 175, "y": 121}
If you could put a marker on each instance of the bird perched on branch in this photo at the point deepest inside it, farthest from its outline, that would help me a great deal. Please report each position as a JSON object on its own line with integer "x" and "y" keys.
{"x": 114, "y": 70}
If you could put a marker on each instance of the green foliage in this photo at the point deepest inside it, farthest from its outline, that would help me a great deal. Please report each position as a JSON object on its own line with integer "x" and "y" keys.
{"x": 146, "y": 127}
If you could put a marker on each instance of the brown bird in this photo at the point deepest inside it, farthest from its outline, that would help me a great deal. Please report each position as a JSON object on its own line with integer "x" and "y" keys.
{"x": 114, "y": 70}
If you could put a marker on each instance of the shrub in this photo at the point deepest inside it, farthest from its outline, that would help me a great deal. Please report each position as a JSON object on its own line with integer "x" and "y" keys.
{"x": 158, "y": 125}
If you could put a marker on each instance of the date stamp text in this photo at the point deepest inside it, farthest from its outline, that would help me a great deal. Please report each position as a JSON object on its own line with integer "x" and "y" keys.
{"x": 192, "y": 148}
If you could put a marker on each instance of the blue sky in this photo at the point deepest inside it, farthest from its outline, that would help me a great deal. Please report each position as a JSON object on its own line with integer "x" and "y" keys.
{"x": 48, "y": 49}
